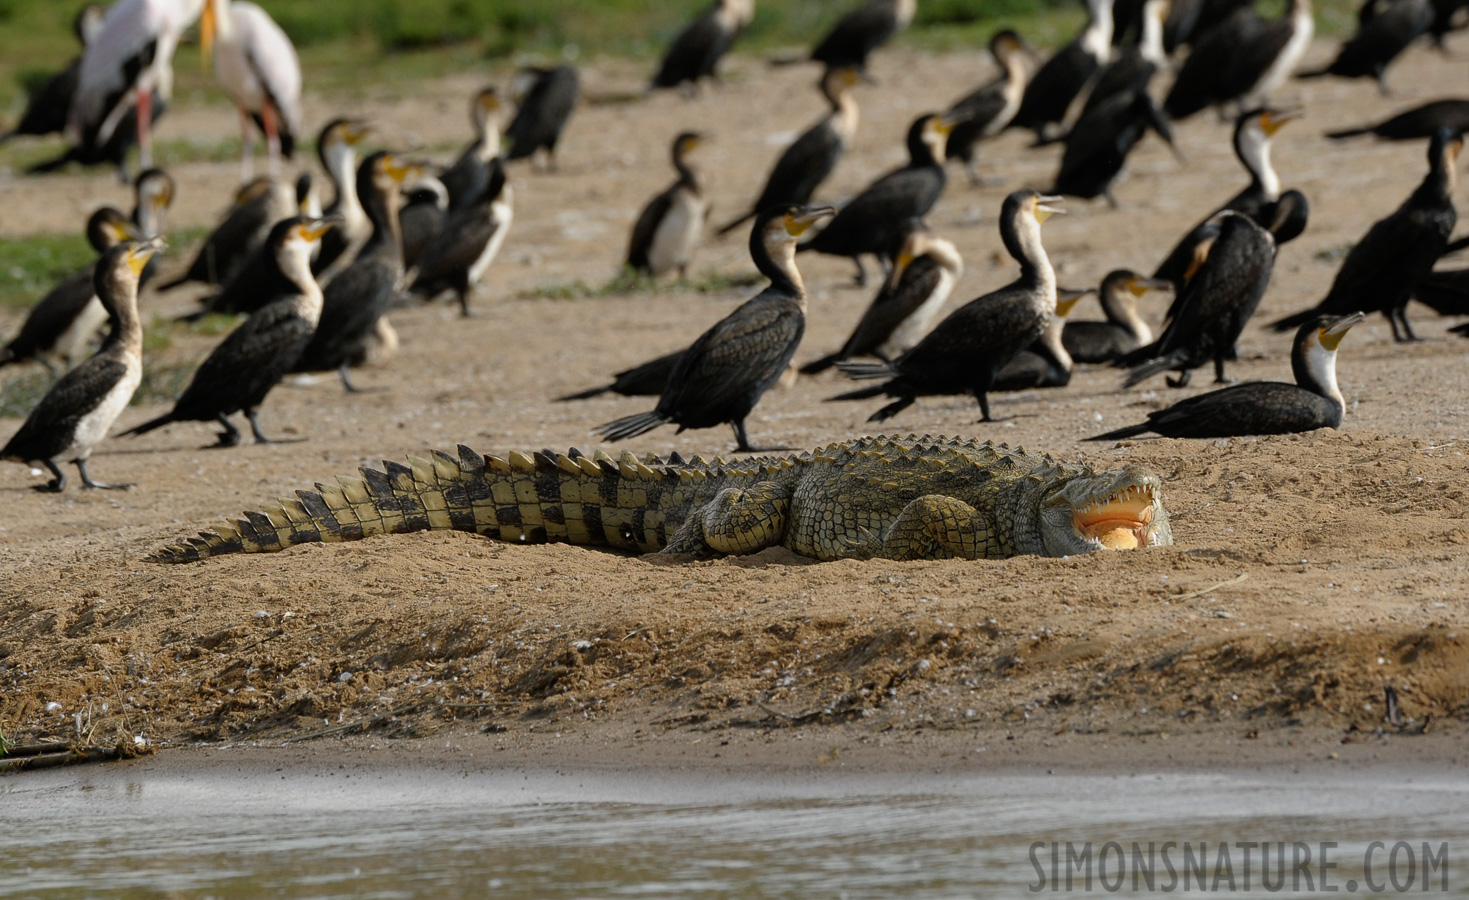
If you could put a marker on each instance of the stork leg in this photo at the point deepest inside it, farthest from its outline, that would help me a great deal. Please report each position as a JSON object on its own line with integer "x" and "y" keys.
{"x": 145, "y": 129}
{"x": 247, "y": 146}
{"x": 272, "y": 137}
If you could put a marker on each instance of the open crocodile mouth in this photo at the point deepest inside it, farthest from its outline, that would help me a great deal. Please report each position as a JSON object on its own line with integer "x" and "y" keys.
{"x": 1119, "y": 523}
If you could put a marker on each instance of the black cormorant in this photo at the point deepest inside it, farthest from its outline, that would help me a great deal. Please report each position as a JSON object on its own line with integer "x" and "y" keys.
{"x": 1382, "y": 270}
{"x": 696, "y": 51}
{"x": 925, "y": 271}
{"x": 259, "y": 204}
{"x": 75, "y": 414}
{"x": 670, "y": 226}
{"x": 1241, "y": 60}
{"x": 1416, "y": 123}
{"x": 1385, "y": 28}
{"x": 965, "y": 351}
{"x": 1046, "y": 363}
{"x": 1099, "y": 143}
{"x": 545, "y": 99}
{"x": 873, "y": 221}
{"x": 862, "y": 31}
{"x": 254, "y": 357}
{"x": 1214, "y": 307}
{"x": 425, "y": 207}
{"x": 728, "y": 368}
{"x": 1264, "y": 407}
{"x": 1133, "y": 65}
{"x": 645, "y": 380}
{"x": 806, "y": 163}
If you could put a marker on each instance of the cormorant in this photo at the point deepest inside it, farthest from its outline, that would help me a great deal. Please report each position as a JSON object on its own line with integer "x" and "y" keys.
{"x": 1385, "y": 28}
{"x": 696, "y": 51}
{"x": 258, "y": 205}
{"x": 1382, "y": 270}
{"x": 337, "y": 147}
{"x": 728, "y": 368}
{"x": 873, "y": 221}
{"x": 1053, "y": 89}
{"x": 425, "y": 207}
{"x": 49, "y": 100}
{"x": 967, "y": 350}
{"x": 862, "y": 31}
{"x": 1135, "y": 64}
{"x": 62, "y": 324}
{"x": 465, "y": 179}
{"x": 924, "y": 274}
{"x": 1253, "y": 132}
{"x": 75, "y": 414}
{"x": 806, "y": 163}
{"x": 154, "y": 192}
{"x": 1046, "y": 363}
{"x": 545, "y": 98}
{"x": 254, "y": 357}
{"x": 471, "y": 237}
{"x": 1447, "y": 16}
{"x": 1243, "y": 60}
{"x": 1124, "y": 330}
{"x": 1419, "y": 122}
{"x": 670, "y": 226}
{"x": 1264, "y": 407}
{"x": 1214, "y": 307}
{"x": 1446, "y": 291}
{"x": 988, "y": 111}
{"x": 1098, "y": 144}
{"x": 357, "y": 298}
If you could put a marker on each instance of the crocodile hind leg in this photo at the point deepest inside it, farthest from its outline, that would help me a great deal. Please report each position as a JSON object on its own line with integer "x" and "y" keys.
{"x": 938, "y": 527}
{"x": 735, "y": 522}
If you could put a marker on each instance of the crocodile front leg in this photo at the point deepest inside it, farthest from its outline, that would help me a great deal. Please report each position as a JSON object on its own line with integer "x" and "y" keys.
{"x": 735, "y": 522}
{"x": 938, "y": 527}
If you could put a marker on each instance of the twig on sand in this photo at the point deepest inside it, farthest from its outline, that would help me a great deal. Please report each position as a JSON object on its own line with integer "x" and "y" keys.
{"x": 1213, "y": 587}
{"x": 47, "y": 756}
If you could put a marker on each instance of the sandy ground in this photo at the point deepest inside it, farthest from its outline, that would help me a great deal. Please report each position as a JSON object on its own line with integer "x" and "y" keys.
{"x": 1309, "y": 571}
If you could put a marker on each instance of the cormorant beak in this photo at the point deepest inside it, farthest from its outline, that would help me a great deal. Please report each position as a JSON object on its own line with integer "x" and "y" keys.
{"x": 312, "y": 231}
{"x": 850, "y": 77}
{"x": 139, "y": 255}
{"x": 1045, "y": 208}
{"x": 354, "y": 132}
{"x": 401, "y": 172}
{"x": 208, "y": 25}
{"x": 1273, "y": 120}
{"x": 1140, "y": 286}
{"x": 122, "y": 231}
{"x": 1331, "y": 336}
{"x": 900, "y": 265}
{"x": 797, "y": 223}
{"x": 1067, "y": 300}
{"x": 949, "y": 122}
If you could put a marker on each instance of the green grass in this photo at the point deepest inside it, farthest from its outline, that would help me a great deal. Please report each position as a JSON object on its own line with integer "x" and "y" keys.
{"x": 162, "y": 383}
{"x": 31, "y": 266}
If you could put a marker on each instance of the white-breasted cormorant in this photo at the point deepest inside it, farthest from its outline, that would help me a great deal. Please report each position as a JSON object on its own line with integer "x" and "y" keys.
{"x": 671, "y": 225}
{"x": 925, "y": 270}
{"x": 728, "y": 368}
{"x": 862, "y": 31}
{"x": 1383, "y": 268}
{"x": 259, "y": 204}
{"x": 465, "y": 179}
{"x": 986, "y": 112}
{"x": 337, "y": 147}
{"x": 1414, "y": 124}
{"x": 469, "y": 241}
{"x": 75, "y": 414}
{"x": 1056, "y": 86}
{"x": 965, "y": 352}
{"x": 1046, "y": 363}
{"x": 1264, "y": 407}
{"x": 1385, "y": 28}
{"x": 1124, "y": 329}
{"x": 1241, "y": 60}
{"x": 1098, "y": 145}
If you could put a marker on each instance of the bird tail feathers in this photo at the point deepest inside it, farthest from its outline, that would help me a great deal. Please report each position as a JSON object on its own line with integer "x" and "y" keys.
{"x": 1129, "y": 431}
{"x": 632, "y": 426}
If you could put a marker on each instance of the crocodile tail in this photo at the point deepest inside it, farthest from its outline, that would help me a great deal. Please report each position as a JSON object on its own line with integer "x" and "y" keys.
{"x": 540, "y": 497}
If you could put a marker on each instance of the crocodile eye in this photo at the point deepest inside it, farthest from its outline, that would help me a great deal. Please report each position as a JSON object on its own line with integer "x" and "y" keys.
{"x": 627, "y": 534}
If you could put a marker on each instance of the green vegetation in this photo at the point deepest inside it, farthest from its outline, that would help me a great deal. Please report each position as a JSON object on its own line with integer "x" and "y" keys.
{"x": 32, "y": 266}
{"x": 162, "y": 383}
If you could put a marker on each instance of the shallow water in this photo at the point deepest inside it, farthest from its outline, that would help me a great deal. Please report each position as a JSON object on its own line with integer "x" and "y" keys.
{"x": 127, "y": 831}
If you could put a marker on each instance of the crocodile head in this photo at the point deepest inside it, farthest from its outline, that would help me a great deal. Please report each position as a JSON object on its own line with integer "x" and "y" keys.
{"x": 1117, "y": 510}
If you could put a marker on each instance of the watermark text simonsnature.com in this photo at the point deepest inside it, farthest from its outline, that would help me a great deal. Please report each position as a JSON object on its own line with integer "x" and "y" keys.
{"x": 1205, "y": 866}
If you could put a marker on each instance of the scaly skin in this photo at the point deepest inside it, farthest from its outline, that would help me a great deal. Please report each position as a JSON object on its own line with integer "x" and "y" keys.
{"x": 893, "y": 498}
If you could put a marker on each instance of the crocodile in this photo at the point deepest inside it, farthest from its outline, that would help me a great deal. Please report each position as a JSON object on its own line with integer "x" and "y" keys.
{"x": 873, "y": 497}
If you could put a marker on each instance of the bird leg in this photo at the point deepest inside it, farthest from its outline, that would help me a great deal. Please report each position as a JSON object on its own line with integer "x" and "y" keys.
{"x": 230, "y": 437}
{"x": 742, "y": 441}
{"x": 861, "y": 271}
{"x": 1400, "y": 314}
{"x": 247, "y": 146}
{"x": 260, "y": 437}
{"x": 463, "y": 294}
{"x": 1182, "y": 380}
{"x": 145, "y": 128}
{"x": 735, "y": 522}
{"x": 1219, "y": 376}
{"x": 343, "y": 371}
{"x": 272, "y": 137}
{"x": 88, "y": 483}
{"x": 1111, "y": 198}
{"x": 984, "y": 407}
{"x": 57, "y": 484}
